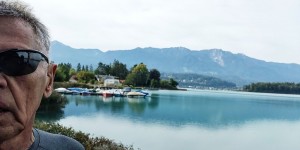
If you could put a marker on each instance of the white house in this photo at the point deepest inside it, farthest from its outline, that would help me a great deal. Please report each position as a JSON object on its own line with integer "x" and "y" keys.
{"x": 112, "y": 82}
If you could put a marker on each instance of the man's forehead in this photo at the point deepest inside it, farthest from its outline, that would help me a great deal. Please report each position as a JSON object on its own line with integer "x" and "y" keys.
{"x": 14, "y": 33}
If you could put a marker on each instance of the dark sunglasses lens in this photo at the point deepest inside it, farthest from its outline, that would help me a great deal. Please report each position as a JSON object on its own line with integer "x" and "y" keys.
{"x": 17, "y": 63}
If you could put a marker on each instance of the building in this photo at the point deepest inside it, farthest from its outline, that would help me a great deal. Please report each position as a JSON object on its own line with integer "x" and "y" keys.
{"x": 112, "y": 82}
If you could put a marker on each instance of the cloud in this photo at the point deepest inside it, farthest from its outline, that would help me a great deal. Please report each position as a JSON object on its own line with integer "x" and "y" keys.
{"x": 264, "y": 29}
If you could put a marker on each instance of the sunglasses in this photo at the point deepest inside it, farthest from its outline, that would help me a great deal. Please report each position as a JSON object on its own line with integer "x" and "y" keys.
{"x": 15, "y": 62}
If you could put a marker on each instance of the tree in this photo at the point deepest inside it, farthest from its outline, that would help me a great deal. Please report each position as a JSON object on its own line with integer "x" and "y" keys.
{"x": 85, "y": 77}
{"x": 286, "y": 87}
{"x": 131, "y": 69}
{"x": 59, "y": 76}
{"x": 130, "y": 79}
{"x": 154, "y": 83}
{"x": 154, "y": 74}
{"x": 78, "y": 67}
{"x": 91, "y": 68}
{"x": 138, "y": 76}
{"x": 63, "y": 72}
{"x": 169, "y": 84}
{"x": 154, "y": 78}
{"x": 86, "y": 68}
{"x": 102, "y": 69}
{"x": 119, "y": 69}
{"x": 165, "y": 84}
{"x": 173, "y": 83}
{"x": 72, "y": 72}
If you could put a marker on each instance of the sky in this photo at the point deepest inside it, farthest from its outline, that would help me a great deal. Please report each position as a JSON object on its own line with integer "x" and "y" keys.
{"x": 264, "y": 29}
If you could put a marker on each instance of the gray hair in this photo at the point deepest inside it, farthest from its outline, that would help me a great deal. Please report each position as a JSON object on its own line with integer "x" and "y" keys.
{"x": 19, "y": 10}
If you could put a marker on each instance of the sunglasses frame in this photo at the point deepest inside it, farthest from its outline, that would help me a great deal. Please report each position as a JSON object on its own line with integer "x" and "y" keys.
{"x": 29, "y": 52}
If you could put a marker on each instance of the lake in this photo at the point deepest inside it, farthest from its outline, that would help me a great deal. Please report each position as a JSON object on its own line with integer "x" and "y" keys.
{"x": 189, "y": 120}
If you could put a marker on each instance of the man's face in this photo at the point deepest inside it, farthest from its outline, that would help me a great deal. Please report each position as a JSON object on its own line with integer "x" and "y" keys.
{"x": 20, "y": 95}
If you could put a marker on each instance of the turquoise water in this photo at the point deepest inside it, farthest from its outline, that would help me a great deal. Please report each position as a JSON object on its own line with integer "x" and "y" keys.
{"x": 191, "y": 120}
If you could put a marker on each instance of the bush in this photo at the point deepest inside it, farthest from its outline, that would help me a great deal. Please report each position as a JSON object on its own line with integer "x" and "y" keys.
{"x": 90, "y": 143}
{"x": 54, "y": 99}
{"x": 51, "y": 108}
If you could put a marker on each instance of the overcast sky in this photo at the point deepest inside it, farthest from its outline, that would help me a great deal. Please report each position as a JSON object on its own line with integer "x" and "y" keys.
{"x": 263, "y": 29}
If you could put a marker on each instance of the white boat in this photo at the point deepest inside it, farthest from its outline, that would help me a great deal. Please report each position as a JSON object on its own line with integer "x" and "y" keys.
{"x": 126, "y": 90}
{"x": 146, "y": 92}
{"x": 100, "y": 90}
{"x": 63, "y": 91}
{"x": 136, "y": 94}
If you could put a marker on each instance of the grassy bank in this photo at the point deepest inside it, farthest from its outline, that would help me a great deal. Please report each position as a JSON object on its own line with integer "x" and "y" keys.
{"x": 89, "y": 142}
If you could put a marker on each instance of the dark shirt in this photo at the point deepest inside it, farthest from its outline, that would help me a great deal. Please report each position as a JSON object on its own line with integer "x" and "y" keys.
{"x": 48, "y": 141}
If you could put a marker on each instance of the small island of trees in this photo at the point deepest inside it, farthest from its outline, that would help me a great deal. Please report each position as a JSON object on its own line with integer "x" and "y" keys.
{"x": 136, "y": 76}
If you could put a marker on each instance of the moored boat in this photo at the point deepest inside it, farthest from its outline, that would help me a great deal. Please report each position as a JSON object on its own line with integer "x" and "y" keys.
{"x": 100, "y": 90}
{"x": 136, "y": 94}
{"x": 107, "y": 93}
{"x": 81, "y": 91}
{"x": 126, "y": 90}
{"x": 146, "y": 93}
{"x": 63, "y": 91}
{"x": 118, "y": 93}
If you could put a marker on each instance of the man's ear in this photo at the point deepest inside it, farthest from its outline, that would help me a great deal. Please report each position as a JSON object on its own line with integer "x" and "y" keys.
{"x": 50, "y": 79}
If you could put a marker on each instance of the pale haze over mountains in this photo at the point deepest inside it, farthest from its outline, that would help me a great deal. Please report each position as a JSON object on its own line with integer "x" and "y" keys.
{"x": 237, "y": 68}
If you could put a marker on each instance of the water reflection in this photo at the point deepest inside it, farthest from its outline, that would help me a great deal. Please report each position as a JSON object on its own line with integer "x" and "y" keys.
{"x": 209, "y": 109}
{"x": 50, "y": 115}
{"x": 190, "y": 120}
{"x": 137, "y": 105}
{"x": 262, "y": 135}
{"x": 51, "y": 111}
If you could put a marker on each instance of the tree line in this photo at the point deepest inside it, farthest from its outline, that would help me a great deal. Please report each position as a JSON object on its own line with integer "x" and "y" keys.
{"x": 138, "y": 75}
{"x": 277, "y": 87}
{"x": 198, "y": 81}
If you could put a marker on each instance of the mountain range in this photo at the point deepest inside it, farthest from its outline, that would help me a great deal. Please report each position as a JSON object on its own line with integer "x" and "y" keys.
{"x": 237, "y": 68}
